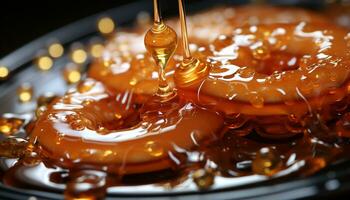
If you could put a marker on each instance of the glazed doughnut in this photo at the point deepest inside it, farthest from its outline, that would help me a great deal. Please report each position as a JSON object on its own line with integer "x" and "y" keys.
{"x": 260, "y": 69}
{"x": 96, "y": 125}
{"x": 126, "y": 64}
{"x": 274, "y": 75}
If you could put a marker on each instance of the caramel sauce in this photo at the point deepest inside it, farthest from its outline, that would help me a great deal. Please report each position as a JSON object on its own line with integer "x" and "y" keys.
{"x": 265, "y": 97}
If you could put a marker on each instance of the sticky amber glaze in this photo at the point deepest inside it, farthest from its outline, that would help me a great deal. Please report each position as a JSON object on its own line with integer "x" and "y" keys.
{"x": 279, "y": 63}
{"x": 125, "y": 58}
{"x": 94, "y": 125}
{"x": 266, "y": 81}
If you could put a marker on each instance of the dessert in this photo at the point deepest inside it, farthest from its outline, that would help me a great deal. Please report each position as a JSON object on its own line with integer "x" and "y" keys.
{"x": 261, "y": 96}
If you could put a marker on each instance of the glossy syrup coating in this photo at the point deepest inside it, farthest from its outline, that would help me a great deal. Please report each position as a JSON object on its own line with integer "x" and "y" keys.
{"x": 110, "y": 133}
{"x": 125, "y": 63}
{"x": 88, "y": 126}
{"x": 277, "y": 64}
{"x": 288, "y": 65}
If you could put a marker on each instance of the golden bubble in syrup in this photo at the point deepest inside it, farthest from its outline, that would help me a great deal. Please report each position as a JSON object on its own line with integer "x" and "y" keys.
{"x": 25, "y": 92}
{"x": 10, "y": 126}
{"x": 203, "y": 178}
{"x": 44, "y": 63}
{"x": 4, "y": 72}
{"x": 261, "y": 53}
{"x": 235, "y": 121}
{"x": 154, "y": 148}
{"x": 106, "y": 25}
{"x": 56, "y": 50}
{"x": 266, "y": 162}
{"x": 257, "y": 101}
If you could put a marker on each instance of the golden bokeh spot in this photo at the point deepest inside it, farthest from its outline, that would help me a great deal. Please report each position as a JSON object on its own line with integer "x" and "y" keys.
{"x": 56, "y": 50}
{"x": 106, "y": 25}
{"x": 25, "y": 93}
{"x": 45, "y": 63}
{"x": 96, "y": 50}
{"x": 5, "y": 129}
{"x": 72, "y": 75}
{"x": 79, "y": 56}
{"x": 4, "y": 72}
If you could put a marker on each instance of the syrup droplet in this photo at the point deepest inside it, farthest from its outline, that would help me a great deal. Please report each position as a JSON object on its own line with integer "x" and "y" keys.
{"x": 161, "y": 42}
{"x": 257, "y": 101}
{"x": 266, "y": 162}
{"x": 25, "y": 92}
{"x": 192, "y": 71}
{"x": 203, "y": 178}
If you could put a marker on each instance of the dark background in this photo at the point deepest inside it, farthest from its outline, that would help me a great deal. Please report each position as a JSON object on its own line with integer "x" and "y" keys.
{"x": 23, "y": 21}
